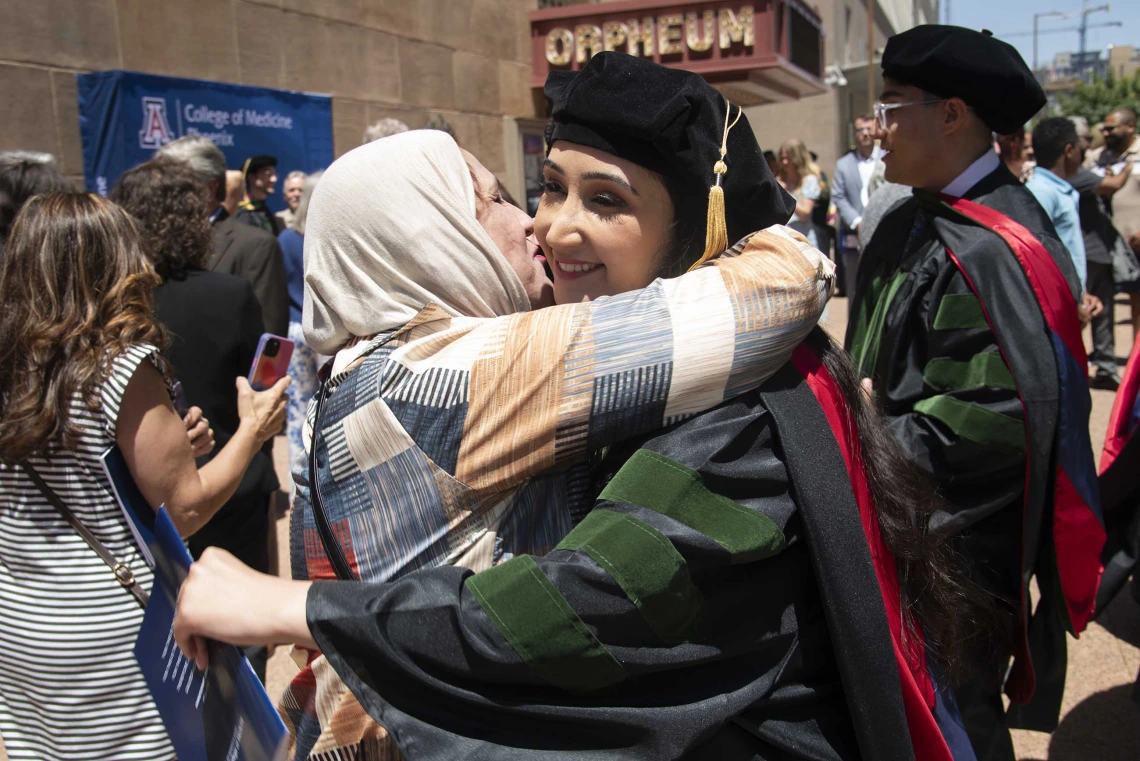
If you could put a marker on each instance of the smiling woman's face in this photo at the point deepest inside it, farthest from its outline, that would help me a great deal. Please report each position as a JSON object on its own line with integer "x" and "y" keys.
{"x": 604, "y": 223}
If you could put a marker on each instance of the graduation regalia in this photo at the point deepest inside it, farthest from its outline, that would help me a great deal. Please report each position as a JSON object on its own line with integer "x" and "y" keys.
{"x": 965, "y": 318}
{"x": 729, "y": 595}
{"x": 1120, "y": 487}
{"x": 678, "y": 620}
{"x": 254, "y": 211}
{"x": 966, "y": 322}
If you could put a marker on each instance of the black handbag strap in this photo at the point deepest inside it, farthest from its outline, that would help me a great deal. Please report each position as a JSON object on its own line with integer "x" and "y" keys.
{"x": 333, "y": 548}
{"x": 122, "y": 571}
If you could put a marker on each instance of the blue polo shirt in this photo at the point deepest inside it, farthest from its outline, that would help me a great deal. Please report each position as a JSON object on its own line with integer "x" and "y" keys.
{"x": 1061, "y": 202}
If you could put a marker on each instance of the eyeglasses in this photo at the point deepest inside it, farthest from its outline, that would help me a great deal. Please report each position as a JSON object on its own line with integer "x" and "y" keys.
{"x": 882, "y": 109}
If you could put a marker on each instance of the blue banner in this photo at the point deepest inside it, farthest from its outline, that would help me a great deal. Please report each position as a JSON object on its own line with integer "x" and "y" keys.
{"x": 125, "y": 116}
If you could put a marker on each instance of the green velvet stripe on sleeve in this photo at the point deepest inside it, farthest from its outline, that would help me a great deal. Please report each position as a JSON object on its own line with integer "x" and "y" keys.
{"x": 984, "y": 370}
{"x": 543, "y": 629}
{"x": 670, "y": 488}
{"x": 959, "y": 310}
{"x": 974, "y": 422}
{"x": 647, "y": 567}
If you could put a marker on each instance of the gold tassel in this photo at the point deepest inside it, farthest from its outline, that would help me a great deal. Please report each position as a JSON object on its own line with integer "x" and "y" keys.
{"x": 716, "y": 228}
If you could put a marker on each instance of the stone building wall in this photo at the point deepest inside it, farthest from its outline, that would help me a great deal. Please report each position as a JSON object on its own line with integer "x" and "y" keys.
{"x": 467, "y": 60}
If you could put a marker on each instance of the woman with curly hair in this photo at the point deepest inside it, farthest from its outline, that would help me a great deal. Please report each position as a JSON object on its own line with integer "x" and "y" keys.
{"x": 214, "y": 322}
{"x": 80, "y": 372}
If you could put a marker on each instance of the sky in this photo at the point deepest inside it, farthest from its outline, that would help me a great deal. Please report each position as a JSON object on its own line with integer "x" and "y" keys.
{"x": 1012, "y": 21}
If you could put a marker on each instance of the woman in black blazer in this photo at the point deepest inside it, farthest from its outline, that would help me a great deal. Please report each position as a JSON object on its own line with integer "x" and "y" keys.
{"x": 214, "y": 322}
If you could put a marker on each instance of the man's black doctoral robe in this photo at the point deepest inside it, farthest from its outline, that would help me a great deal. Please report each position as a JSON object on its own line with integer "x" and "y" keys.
{"x": 965, "y": 320}
{"x": 719, "y": 602}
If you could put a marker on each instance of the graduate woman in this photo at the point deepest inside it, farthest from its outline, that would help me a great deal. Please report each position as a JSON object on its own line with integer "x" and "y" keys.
{"x": 755, "y": 581}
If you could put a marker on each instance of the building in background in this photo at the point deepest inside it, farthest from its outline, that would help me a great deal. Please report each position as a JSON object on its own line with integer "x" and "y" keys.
{"x": 815, "y": 76}
{"x": 823, "y": 121}
{"x": 753, "y": 51}
{"x": 467, "y": 61}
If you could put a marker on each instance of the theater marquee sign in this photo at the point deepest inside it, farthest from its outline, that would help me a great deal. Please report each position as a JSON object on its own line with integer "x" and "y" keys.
{"x": 754, "y": 52}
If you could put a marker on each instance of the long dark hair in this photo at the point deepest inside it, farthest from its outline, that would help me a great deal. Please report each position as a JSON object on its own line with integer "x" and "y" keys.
{"x": 937, "y": 598}
{"x": 76, "y": 289}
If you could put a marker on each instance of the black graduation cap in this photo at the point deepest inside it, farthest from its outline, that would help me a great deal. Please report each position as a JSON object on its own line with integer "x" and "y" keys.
{"x": 954, "y": 62}
{"x": 253, "y": 163}
{"x": 674, "y": 123}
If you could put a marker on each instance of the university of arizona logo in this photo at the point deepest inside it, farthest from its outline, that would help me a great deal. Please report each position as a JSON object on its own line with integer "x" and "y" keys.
{"x": 155, "y": 132}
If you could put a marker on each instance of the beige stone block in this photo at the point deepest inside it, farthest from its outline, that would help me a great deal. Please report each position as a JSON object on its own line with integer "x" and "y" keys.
{"x": 522, "y": 24}
{"x": 494, "y": 29}
{"x": 70, "y": 155}
{"x": 269, "y": 3}
{"x": 446, "y": 22}
{"x": 349, "y": 117}
{"x": 340, "y": 59}
{"x": 27, "y": 120}
{"x": 426, "y": 76}
{"x": 489, "y": 149}
{"x": 476, "y": 83}
{"x": 465, "y": 127}
{"x": 261, "y": 56}
{"x": 179, "y": 38}
{"x": 413, "y": 117}
{"x": 515, "y": 95}
{"x": 74, "y": 33}
{"x": 395, "y": 16}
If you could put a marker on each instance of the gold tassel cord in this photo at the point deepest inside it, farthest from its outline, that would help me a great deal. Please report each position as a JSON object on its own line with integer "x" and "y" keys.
{"x": 716, "y": 228}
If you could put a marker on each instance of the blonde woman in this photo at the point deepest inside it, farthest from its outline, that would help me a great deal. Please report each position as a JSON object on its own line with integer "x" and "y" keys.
{"x": 801, "y": 177}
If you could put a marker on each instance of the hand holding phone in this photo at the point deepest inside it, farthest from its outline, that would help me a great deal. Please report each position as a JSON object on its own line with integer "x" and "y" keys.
{"x": 271, "y": 363}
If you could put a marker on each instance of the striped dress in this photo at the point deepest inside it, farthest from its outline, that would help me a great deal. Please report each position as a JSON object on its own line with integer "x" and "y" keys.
{"x": 69, "y": 684}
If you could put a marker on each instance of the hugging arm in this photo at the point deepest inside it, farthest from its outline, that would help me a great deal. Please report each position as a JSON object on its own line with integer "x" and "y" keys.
{"x": 548, "y": 387}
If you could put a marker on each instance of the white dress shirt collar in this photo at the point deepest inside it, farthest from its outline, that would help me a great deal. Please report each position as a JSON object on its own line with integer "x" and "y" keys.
{"x": 974, "y": 174}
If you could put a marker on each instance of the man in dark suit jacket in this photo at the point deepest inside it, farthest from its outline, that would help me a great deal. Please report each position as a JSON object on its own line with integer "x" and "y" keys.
{"x": 239, "y": 249}
{"x": 253, "y": 254}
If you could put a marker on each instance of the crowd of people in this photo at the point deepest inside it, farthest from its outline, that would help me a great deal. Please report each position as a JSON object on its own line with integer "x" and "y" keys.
{"x": 593, "y": 483}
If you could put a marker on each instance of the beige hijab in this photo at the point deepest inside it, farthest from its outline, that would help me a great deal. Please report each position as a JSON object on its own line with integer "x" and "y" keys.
{"x": 392, "y": 228}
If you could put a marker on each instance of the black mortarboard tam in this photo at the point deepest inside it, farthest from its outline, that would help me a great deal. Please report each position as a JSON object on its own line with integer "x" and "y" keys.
{"x": 253, "y": 163}
{"x": 674, "y": 123}
{"x": 954, "y": 62}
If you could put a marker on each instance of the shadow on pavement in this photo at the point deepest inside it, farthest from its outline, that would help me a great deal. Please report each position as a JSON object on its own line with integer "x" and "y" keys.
{"x": 1103, "y": 726}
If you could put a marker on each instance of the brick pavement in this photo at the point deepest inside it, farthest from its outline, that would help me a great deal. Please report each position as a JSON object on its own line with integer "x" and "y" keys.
{"x": 1098, "y": 719}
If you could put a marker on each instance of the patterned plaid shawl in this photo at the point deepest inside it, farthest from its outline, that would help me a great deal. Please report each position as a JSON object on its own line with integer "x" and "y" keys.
{"x": 464, "y": 441}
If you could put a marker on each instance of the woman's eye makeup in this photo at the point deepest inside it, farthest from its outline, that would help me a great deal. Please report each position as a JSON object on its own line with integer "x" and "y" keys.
{"x": 608, "y": 201}
{"x": 551, "y": 186}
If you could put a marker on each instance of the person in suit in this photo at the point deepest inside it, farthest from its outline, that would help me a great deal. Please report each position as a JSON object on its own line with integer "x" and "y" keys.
{"x": 238, "y": 248}
{"x": 215, "y": 323}
{"x": 850, "y": 192}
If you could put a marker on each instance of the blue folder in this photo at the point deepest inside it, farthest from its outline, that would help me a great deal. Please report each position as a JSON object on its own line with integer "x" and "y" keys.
{"x": 222, "y": 714}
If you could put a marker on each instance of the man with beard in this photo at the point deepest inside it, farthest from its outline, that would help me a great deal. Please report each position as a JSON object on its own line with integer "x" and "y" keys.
{"x": 965, "y": 321}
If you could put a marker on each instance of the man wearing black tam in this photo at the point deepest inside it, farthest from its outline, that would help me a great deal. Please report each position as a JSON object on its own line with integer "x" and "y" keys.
{"x": 260, "y": 176}
{"x": 965, "y": 321}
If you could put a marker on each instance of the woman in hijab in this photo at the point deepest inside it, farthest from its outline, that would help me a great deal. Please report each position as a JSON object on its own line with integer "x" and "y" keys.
{"x": 448, "y": 437}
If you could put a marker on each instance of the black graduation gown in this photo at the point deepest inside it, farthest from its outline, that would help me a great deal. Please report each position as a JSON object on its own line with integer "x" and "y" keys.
{"x": 964, "y": 370}
{"x": 683, "y": 618}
